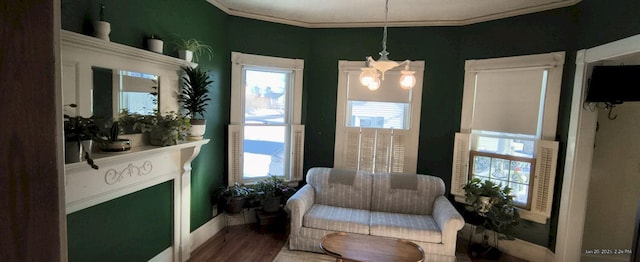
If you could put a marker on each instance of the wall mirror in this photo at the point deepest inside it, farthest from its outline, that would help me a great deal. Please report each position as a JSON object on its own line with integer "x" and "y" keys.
{"x": 115, "y": 90}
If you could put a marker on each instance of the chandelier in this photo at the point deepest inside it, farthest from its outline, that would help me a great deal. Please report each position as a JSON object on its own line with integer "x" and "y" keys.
{"x": 372, "y": 75}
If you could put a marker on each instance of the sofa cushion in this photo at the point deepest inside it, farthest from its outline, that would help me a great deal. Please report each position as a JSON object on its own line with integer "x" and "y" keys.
{"x": 393, "y": 193}
{"x": 405, "y": 226}
{"x": 337, "y": 219}
{"x": 340, "y": 188}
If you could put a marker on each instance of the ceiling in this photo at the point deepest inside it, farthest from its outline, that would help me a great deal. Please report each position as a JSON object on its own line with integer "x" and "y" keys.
{"x": 370, "y": 13}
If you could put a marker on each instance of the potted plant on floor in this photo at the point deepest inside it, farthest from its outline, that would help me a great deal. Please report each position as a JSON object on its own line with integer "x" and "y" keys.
{"x": 191, "y": 49}
{"x": 494, "y": 210}
{"x": 79, "y": 134}
{"x": 194, "y": 97}
{"x": 234, "y": 198}
{"x": 272, "y": 193}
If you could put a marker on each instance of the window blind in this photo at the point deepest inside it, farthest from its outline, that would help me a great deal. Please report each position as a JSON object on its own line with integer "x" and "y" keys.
{"x": 508, "y": 101}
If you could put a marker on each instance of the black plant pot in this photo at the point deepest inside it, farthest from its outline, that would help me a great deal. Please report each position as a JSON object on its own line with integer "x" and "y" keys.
{"x": 235, "y": 205}
{"x": 271, "y": 204}
{"x": 481, "y": 251}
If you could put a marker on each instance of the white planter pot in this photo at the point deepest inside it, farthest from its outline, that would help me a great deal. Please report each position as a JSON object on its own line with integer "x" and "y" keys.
{"x": 155, "y": 45}
{"x": 101, "y": 29}
{"x": 187, "y": 55}
{"x": 198, "y": 126}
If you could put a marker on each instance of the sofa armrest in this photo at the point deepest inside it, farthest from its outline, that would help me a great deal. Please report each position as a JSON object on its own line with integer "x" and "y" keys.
{"x": 449, "y": 221}
{"x": 299, "y": 204}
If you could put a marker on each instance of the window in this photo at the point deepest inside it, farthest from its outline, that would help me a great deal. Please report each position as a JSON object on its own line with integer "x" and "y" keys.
{"x": 508, "y": 123}
{"x": 138, "y": 92}
{"x": 377, "y": 131}
{"x": 265, "y": 135}
{"x": 514, "y": 172}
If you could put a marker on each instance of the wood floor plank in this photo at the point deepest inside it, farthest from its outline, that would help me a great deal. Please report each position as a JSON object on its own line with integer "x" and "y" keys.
{"x": 248, "y": 243}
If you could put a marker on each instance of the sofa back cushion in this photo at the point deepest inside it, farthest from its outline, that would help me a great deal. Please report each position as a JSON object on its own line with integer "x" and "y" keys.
{"x": 405, "y": 193}
{"x": 340, "y": 188}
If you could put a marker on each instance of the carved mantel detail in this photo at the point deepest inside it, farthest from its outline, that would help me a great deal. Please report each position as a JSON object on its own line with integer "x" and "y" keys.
{"x": 112, "y": 176}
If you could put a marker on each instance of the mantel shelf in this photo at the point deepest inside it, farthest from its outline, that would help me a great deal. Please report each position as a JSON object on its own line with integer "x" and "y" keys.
{"x": 111, "y": 48}
{"x": 135, "y": 152}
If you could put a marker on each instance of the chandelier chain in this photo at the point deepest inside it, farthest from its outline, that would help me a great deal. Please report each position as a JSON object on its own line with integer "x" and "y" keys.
{"x": 384, "y": 35}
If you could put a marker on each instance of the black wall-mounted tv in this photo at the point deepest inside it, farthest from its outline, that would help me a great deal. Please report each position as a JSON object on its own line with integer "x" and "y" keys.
{"x": 614, "y": 84}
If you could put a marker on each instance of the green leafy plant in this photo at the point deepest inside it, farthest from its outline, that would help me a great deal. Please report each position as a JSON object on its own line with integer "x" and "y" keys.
{"x": 194, "y": 95}
{"x": 78, "y": 128}
{"x": 233, "y": 198}
{"x": 128, "y": 120}
{"x": 165, "y": 129}
{"x": 196, "y": 46}
{"x": 494, "y": 205}
{"x": 274, "y": 186}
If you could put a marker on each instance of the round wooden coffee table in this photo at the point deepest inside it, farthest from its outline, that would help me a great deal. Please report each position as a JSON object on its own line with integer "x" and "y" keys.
{"x": 356, "y": 247}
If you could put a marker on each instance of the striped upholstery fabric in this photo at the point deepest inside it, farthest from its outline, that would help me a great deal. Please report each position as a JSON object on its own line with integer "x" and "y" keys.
{"x": 405, "y": 226}
{"x": 406, "y": 201}
{"x": 356, "y": 196}
{"x": 337, "y": 219}
{"x": 373, "y": 206}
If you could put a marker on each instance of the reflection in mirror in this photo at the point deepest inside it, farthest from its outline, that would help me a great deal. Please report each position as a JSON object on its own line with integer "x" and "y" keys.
{"x": 117, "y": 90}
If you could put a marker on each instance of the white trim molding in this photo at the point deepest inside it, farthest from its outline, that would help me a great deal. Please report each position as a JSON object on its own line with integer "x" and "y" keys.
{"x": 580, "y": 141}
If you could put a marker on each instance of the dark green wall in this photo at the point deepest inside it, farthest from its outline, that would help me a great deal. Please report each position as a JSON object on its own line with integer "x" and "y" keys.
{"x": 130, "y": 22}
{"x": 444, "y": 50}
{"x": 133, "y": 227}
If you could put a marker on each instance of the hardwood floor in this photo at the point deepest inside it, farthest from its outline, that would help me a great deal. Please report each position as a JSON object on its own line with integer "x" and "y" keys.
{"x": 246, "y": 243}
{"x": 242, "y": 243}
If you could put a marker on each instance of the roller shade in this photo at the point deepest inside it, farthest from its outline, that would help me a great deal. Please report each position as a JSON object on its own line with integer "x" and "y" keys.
{"x": 508, "y": 101}
{"x": 137, "y": 84}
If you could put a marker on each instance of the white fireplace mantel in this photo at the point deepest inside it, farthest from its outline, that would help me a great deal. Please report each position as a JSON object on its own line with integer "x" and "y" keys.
{"x": 142, "y": 167}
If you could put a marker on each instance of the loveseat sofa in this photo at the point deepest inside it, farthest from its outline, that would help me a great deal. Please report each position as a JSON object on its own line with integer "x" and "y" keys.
{"x": 406, "y": 206}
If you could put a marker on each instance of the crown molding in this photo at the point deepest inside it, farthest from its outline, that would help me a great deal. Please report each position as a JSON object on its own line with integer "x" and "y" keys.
{"x": 460, "y": 22}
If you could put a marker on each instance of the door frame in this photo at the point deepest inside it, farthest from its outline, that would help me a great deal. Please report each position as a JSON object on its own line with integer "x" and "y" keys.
{"x": 579, "y": 154}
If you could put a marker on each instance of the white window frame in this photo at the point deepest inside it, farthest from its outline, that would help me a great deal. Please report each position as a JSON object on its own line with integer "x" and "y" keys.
{"x": 295, "y": 132}
{"x": 345, "y": 135}
{"x": 547, "y": 149}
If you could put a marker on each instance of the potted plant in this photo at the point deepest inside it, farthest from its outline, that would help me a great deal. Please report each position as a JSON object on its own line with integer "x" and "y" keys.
{"x": 191, "y": 49}
{"x": 194, "y": 98}
{"x": 233, "y": 197}
{"x": 79, "y": 134}
{"x": 111, "y": 143}
{"x": 165, "y": 130}
{"x": 101, "y": 28}
{"x": 155, "y": 44}
{"x": 127, "y": 121}
{"x": 495, "y": 210}
{"x": 273, "y": 192}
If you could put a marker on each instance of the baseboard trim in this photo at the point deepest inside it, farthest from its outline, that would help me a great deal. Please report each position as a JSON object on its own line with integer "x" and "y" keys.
{"x": 206, "y": 231}
{"x": 164, "y": 256}
{"x": 517, "y": 248}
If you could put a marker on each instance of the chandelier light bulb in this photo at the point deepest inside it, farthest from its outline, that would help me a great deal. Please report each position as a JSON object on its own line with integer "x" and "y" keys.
{"x": 367, "y": 76}
{"x": 373, "y": 86}
{"x": 408, "y": 79}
